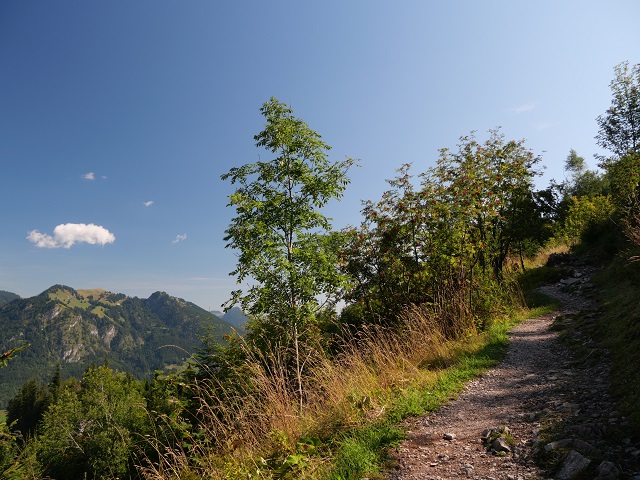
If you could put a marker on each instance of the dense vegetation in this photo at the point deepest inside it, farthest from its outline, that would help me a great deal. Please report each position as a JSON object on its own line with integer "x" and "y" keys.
{"x": 431, "y": 280}
{"x": 6, "y": 297}
{"x": 74, "y": 329}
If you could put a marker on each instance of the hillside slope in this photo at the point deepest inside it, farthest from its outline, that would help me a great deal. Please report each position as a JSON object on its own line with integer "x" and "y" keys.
{"x": 78, "y": 328}
{"x": 6, "y": 297}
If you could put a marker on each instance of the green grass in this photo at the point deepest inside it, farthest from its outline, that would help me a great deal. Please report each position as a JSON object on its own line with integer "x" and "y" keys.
{"x": 99, "y": 311}
{"x": 3, "y": 416}
{"x": 65, "y": 297}
{"x": 619, "y": 330}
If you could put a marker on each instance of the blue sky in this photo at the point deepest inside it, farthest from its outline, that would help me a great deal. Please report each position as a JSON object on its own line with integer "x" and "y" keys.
{"x": 118, "y": 118}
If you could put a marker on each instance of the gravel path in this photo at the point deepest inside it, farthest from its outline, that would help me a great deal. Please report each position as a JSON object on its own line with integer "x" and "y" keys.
{"x": 540, "y": 393}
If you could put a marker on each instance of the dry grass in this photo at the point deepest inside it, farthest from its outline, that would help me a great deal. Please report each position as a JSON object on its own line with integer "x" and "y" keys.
{"x": 542, "y": 257}
{"x": 512, "y": 264}
{"x": 256, "y": 431}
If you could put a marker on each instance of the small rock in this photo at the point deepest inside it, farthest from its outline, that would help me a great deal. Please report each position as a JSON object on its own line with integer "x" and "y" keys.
{"x": 573, "y": 464}
{"x": 607, "y": 468}
{"x": 565, "y": 442}
{"x": 500, "y": 445}
{"x": 449, "y": 436}
{"x": 584, "y": 447}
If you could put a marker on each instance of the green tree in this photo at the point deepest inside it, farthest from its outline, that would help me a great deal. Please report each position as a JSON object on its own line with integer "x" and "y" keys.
{"x": 575, "y": 164}
{"x": 619, "y": 132}
{"x": 619, "y": 127}
{"x": 422, "y": 244}
{"x": 487, "y": 187}
{"x": 94, "y": 428}
{"x": 26, "y": 409}
{"x": 582, "y": 182}
{"x": 280, "y": 233}
{"x": 386, "y": 256}
{"x": 582, "y": 213}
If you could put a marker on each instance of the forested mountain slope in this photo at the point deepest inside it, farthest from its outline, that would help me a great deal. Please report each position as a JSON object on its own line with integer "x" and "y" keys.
{"x": 6, "y": 297}
{"x": 77, "y": 328}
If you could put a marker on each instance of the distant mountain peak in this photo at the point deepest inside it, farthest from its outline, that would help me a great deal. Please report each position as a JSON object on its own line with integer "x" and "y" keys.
{"x": 6, "y": 297}
{"x": 235, "y": 317}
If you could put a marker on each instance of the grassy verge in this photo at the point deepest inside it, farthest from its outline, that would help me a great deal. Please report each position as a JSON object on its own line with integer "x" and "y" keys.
{"x": 353, "y": 404}
{"x": 619, "y": 329}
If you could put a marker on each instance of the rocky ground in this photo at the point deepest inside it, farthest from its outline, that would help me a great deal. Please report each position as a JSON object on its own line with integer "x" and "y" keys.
{"x": 544, "y": 412}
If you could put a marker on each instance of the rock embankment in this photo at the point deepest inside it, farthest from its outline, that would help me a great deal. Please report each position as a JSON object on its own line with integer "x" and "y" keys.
{"x": 544, "y": 412}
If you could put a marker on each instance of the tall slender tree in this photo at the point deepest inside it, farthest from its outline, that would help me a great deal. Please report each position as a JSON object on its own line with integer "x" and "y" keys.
{"x": 281, "y": 235}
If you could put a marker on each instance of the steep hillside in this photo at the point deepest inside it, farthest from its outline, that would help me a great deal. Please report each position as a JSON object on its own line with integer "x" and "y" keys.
{"x": 6, "y": 297}
{"x": 77, "y": 328}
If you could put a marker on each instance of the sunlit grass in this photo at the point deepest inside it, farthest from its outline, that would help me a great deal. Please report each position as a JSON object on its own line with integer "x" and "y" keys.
{"x": 351, "y": 411}
{"x": 354, "y": 400}
{"x": 353, "y": 403}
{"x": 65, "y": 297}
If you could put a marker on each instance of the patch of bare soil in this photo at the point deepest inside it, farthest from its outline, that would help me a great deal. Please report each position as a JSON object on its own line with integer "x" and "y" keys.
{"x": 544, "y": 412}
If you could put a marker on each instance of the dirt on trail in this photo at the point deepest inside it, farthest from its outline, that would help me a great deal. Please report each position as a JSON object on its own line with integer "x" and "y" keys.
{"x": 560, "y": 417}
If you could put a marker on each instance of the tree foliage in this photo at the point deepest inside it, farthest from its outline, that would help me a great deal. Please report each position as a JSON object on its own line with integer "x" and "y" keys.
{"x": 26, "y": 409}
{"x": 284, "y": 248}
{"x": 619, "y": 132}
{"x": 619, "y": 127}
{"x": 423, "y": 241}
{"x": 94, "y": 427}
{"x": 277, "y": 230}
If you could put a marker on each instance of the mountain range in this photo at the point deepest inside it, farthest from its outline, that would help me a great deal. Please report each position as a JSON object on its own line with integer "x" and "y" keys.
{"x": 234, "y": 316}
{"x": 78, "y": 328}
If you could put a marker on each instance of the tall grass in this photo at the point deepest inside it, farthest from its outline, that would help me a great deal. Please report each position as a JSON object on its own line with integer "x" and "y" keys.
{"x": 351, "y": 401}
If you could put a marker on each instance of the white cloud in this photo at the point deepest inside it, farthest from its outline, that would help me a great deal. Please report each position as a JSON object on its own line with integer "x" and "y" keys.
{"x": 525, "y": 107}
{"x": 179, "y": 238}
{"x": 89, "y": 176}
{"x": 148, "y": 203}
{"x": 68, "y": 234}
